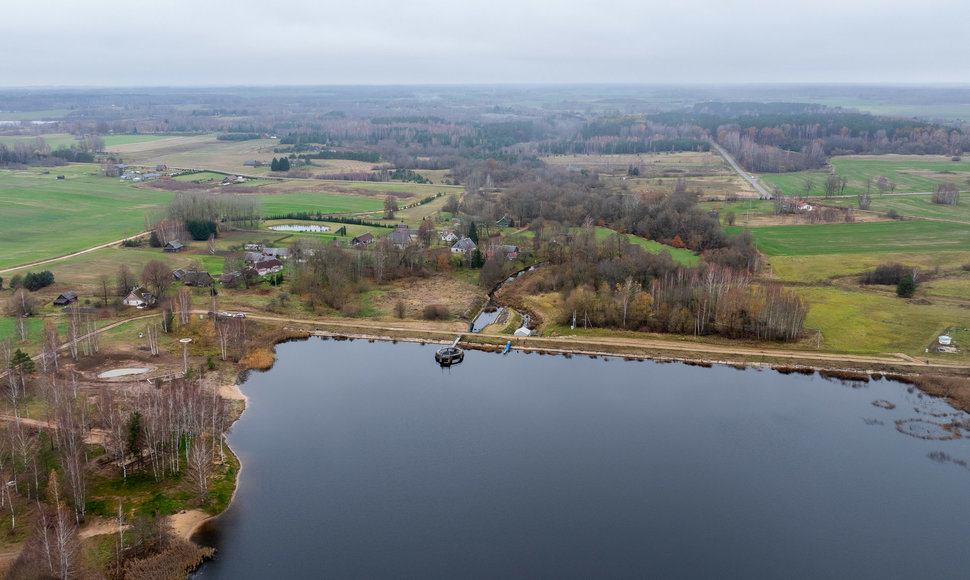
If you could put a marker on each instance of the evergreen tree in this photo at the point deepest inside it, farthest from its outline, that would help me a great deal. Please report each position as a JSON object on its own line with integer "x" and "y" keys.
{"x": 473, "y": 233}
{"x": 906, "y": 287}
{"x": 275, "y": 164}
{"x": 22, "y": 359}
{"x": 284, "y": 164}
{"x": 477, "y": 259}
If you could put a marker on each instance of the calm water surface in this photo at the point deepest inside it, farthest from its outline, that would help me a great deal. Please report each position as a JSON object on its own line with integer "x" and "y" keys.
{"x": 369, "y": 461}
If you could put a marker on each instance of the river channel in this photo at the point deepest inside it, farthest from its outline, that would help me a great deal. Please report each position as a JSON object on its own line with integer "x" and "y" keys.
{"x": 368, "y": 460}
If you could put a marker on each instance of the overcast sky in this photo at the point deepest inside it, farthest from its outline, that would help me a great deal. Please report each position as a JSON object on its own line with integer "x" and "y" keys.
{"x": 245, "y": 42}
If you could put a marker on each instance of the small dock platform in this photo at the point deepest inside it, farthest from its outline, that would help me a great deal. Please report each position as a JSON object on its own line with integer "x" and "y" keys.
{"x": 451, "y": 354}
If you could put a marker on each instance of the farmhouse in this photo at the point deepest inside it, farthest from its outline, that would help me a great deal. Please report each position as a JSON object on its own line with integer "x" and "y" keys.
{"x": 362, "y": 240}
{"x": 139, "y": 297}
{"x": 178, "y": 274}
{"x": 790, "y": 204}
{"x": 229, "y": 278}
{"x": 266, "y": 267}
{"x": 173, "y": 246}
{"x": 66, "y": 298}
{"x": 463, "y": 246}
{"x": 510, "y": 252}
{"x": 198, "y": 278}
{"x": 401, "y": 238}
{"x": 504, "y": 222}
{"x": 448, "y": 235}
{"x": 278, "y": 253}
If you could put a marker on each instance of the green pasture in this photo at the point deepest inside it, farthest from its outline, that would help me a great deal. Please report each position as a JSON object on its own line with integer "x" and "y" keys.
{"x": 112, "y": 140}
{"x": 936, "y": 111}
{"x": 45, "y": 217}
{"x": 419, "y": 190}
{"x": 82, "y": 272}
{"x": 53, "y": 140}
{"x": 682, "y": 256}
{"x": 34, "y": 115}
{"x": 912, "y": 206}
{"x": 954, "y": 287}
{"x": 910, "y": 173}
{"x": 325, "y": 203}
{"x": 35, "y": 332}
{"x": 813, "y": 269}
{"x": 860, "y": 238}
{"x": 753, "y": 207}
{"x": 212, "y": 264}
{"x": 856, "y": 322}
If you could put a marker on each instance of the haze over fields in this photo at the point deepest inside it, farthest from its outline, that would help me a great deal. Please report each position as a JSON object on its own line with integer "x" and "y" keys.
{"x": 243, "y": 42}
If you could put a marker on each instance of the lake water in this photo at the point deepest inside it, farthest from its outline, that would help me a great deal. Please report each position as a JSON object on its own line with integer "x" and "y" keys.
{"x": 370, "y": 461}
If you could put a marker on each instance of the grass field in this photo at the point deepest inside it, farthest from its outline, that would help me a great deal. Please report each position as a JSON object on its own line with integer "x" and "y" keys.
{"x": 419, "y": 190}
{"x": 818, "y": 268}
{"x": 651, "y": 164}
{"x": 913, "y": 206}
{"x": 34, "y": 115}
{"x": 115, "y": 140}
{"x": 44, "y": 217}
{"x": 685, "y": 257}
{"x": 860, "y": 238}
{"x": 197, "y": 151}
{"x": 53, "y": 140}
{"x": 910, "y": 173}
{"x": 325, "y": 203}
{"x": 856, "y": 322}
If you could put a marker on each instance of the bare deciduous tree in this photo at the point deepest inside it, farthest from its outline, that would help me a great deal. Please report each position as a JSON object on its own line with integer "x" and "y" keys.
{"x": 183, "y": 302}
{"x": 157, "y": 277}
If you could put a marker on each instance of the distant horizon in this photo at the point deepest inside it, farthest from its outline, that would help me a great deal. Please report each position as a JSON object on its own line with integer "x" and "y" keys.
{"x": 549, "y": 84}
{"x": 221, "y": 43}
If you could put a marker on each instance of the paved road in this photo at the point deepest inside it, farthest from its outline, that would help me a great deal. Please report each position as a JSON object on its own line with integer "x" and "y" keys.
{"x": 78, "y": 253}
{"x": 754, "y": 182}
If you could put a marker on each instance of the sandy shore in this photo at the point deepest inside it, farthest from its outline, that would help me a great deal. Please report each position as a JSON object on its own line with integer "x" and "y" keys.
{"x": 233, "y": 393}
{"x": 186, "y": 522}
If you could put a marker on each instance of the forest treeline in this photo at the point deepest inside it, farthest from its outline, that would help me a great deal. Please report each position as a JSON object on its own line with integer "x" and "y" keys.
{"x": 763, "y": 136}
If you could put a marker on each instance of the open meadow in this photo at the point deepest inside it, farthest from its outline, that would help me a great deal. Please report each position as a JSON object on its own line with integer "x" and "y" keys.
{"x": 680, "y": 255}
{"x": 822, "y": 263}
{"x": 912, "y": 206}
{"x": 705, "y": 171}
{"x": 910, "y": 173}
{"x": 45, "y": 217}
{"x": 860, "y": 238}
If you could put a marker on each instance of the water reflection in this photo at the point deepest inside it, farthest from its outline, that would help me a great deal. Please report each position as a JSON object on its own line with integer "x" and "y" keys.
{"x": 369, "y": 460}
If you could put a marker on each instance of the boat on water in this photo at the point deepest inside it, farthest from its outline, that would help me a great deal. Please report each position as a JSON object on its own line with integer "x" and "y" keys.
{"x": 449, "y": 355}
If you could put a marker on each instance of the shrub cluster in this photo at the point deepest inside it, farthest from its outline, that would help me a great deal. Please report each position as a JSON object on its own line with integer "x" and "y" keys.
{"x": 436, "y": 312}
{"x": 37, "y": 280}
{"x": 886, "y": 274}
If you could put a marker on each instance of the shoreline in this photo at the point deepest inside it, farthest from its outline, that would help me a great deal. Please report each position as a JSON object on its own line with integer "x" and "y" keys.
{"x": 188, "y": 522}
{"x": 955, "y": 387}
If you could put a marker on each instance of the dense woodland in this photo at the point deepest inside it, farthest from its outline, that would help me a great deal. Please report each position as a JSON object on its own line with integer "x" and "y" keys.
{"x": 439, "y": 128}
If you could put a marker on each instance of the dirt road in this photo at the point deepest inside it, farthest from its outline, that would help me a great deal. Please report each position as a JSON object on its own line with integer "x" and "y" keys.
{"x": 66, "y": 256}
